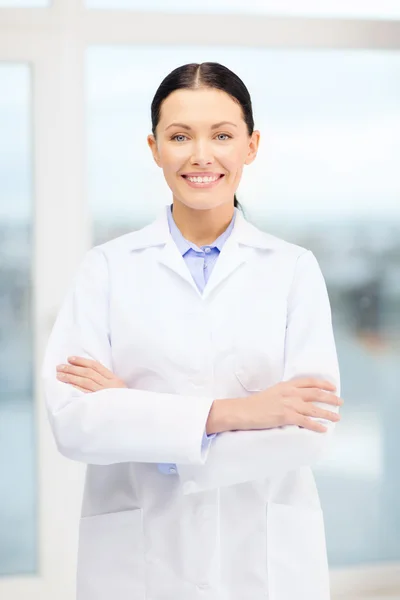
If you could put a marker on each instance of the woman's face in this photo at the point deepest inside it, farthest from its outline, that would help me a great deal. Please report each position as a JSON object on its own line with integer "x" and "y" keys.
{"x": 201, "y": 133}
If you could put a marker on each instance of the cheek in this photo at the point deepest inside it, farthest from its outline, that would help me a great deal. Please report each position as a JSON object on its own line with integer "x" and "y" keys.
{"x": 231, "y": 158}
{"x": 172, "y": 160}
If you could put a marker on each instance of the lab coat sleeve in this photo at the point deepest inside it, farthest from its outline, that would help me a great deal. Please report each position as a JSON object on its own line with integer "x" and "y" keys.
{"x": 112, "y": 425}
{"x": 239, "y": 456}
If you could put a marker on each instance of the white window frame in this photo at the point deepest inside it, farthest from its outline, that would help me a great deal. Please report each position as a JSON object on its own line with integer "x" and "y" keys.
{"x": 53, "y": 41}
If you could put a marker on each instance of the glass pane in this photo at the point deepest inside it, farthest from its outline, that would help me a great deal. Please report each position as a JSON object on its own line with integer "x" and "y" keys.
{"x": 326, "y": 177}
{"x": 17, "y": 443}
{"x": 385, "y": 9}
{"x": 25, "y": 3}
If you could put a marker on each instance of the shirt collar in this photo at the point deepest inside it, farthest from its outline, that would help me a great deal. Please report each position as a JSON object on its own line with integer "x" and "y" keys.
{"x": 184, "y": 245}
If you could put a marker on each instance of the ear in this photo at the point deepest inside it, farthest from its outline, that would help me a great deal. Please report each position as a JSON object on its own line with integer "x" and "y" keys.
{"x": 152, "y": 142}
{"x": 253, "y": 147}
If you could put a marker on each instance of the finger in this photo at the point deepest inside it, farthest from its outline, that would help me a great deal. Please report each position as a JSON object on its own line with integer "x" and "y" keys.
{"x": 81, "y": 389}
{"x": 317, "y": 395}
{"x": 320, "y": 413}
{"x": 307, "y": 423}
{"x": 309, "y": 410}
{"x": 312, "y": 382}
{"x": 88, "y": 373}
{"x": 91, "y": 364}
{"x": 82, "y": 382}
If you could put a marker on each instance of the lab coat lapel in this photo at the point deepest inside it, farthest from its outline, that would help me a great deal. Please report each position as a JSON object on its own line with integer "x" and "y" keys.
{"x": 235, "y": 253}
{"x": 230, "y": 259}
{"x": 157, "y": 234}
{"x": 173, "y": 259}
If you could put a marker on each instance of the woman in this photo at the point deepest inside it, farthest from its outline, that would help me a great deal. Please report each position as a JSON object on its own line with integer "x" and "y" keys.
{"x": 192, "y": 366}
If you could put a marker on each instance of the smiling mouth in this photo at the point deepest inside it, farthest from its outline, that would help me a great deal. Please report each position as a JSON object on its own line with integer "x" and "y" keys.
{"x": 202, "y": 182}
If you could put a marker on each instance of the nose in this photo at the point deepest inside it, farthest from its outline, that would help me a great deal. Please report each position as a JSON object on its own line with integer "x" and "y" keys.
{"x": 201, "y": 156}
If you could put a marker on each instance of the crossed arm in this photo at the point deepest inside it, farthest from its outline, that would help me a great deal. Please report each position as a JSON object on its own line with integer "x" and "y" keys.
{"x": 115, "y": 424}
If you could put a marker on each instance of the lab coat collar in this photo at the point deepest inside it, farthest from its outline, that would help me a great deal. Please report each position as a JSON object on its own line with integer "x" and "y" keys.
{"x": 185, "y": 245}
{"x": 158, "y": 233}
{"x": 229, "y": 260}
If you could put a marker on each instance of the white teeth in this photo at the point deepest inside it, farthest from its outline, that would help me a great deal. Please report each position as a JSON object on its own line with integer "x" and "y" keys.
{"x": 202, "y": 179}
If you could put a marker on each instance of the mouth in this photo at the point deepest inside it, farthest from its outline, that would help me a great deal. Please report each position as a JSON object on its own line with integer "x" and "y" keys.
{"x": 208, "y": 181}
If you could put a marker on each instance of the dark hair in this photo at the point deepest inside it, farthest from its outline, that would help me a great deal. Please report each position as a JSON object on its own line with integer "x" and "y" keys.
{"x": 210, "y": 75}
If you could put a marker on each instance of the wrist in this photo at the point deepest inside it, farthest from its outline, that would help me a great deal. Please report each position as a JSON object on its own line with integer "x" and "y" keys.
{"x": 226, "y": 414}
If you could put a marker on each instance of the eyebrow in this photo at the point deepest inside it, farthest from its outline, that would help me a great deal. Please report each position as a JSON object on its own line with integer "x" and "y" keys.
{"x": 215, "y": 126}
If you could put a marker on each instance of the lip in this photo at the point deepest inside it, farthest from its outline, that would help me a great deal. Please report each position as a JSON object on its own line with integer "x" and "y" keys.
{"x": 201, "y": 174}
{"x": 206, "y": 184}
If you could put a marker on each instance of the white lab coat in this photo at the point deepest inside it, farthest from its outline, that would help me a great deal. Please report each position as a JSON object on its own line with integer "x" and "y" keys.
{"x": 243, "y": 519}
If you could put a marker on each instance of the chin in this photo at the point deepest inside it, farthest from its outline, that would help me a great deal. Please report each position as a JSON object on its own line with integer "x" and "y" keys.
{"x": 201, "y": 203}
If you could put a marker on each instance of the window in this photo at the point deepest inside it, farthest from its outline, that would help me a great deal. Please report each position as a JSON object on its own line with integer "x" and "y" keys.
{"x": 326, "y": 177}
{"x": 17, "y": 439}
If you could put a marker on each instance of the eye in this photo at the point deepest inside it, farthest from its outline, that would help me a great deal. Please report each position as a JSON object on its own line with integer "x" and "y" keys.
{"x": 224, "y": 135}
{"x": 178, "y": 135}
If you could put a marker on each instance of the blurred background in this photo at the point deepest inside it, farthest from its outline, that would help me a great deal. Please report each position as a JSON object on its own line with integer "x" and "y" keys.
{"x": 76, "y": 83}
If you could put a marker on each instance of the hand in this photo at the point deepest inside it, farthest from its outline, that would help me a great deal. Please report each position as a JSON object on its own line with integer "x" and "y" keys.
{"x": 290, "y": 403}
{"x": 87, "y": 375}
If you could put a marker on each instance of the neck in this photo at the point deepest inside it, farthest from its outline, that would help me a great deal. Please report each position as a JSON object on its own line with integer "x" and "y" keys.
{"x": 202, "y": 227}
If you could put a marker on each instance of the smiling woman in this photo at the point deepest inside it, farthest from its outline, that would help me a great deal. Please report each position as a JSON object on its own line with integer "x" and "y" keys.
{"x": 212, "y": 106}
{"x": 204, "y": 379}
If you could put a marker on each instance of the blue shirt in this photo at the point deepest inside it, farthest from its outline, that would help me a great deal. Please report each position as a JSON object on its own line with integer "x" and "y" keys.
{"x": 200, "y": 262}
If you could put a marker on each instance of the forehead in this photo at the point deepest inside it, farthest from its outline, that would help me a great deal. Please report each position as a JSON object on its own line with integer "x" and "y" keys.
{"x": 199, "y": 106}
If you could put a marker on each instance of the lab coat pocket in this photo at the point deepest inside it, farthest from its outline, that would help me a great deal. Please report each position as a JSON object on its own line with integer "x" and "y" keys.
{"x": 258, "y": 370}
{"x": 248, "y": 375}
{"x": 297, "y": 562}
{"x": 111, "y": 557}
